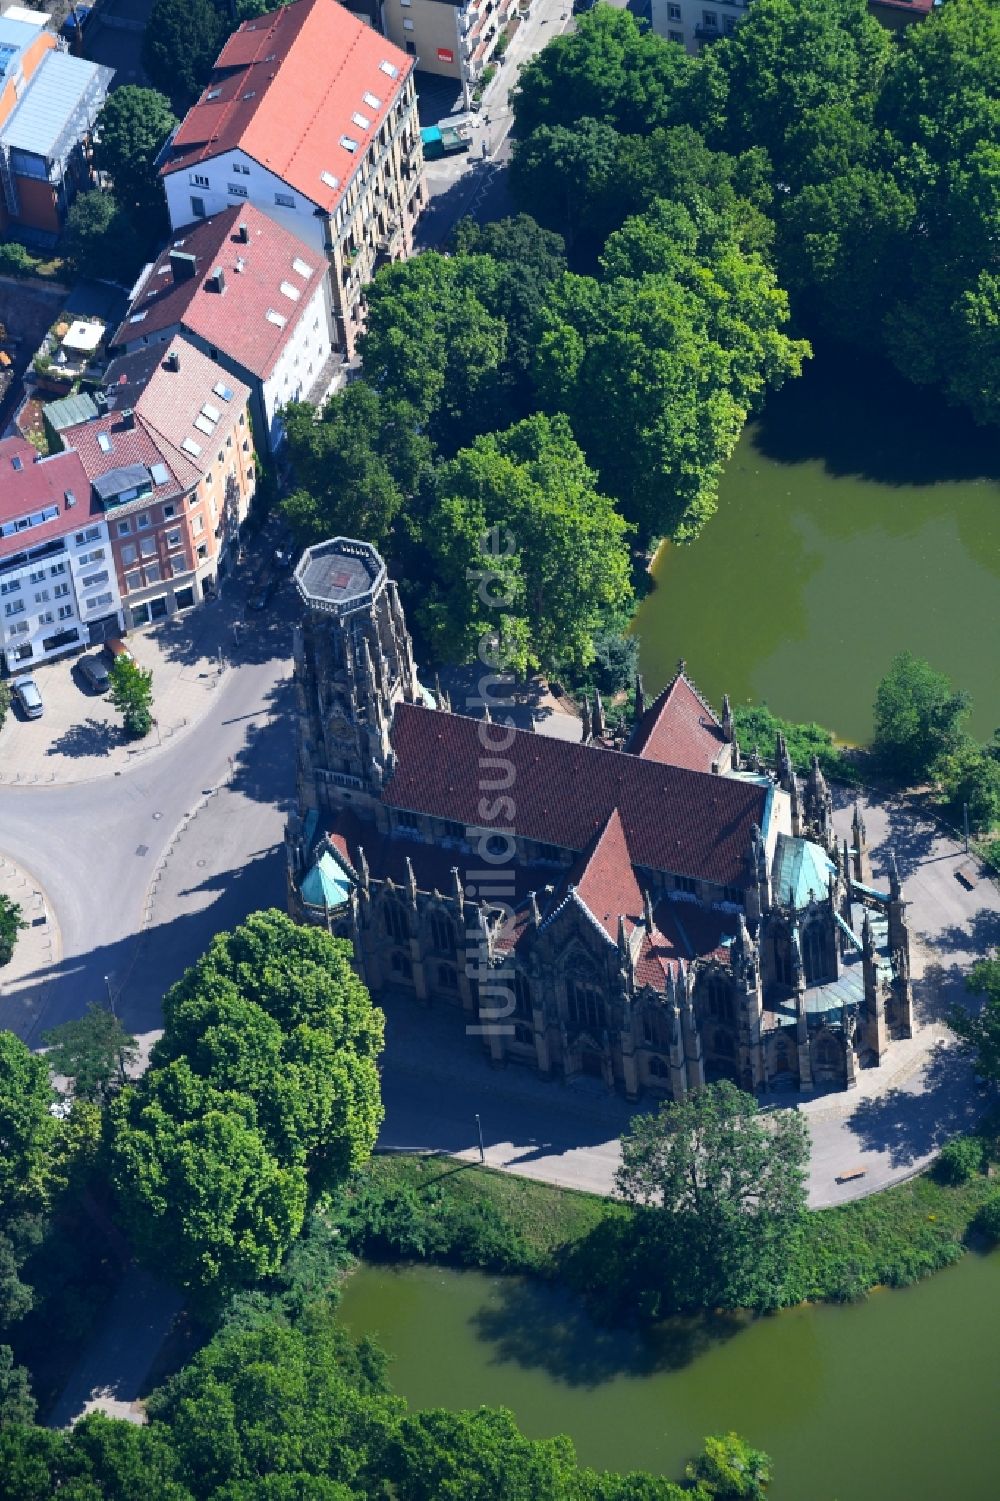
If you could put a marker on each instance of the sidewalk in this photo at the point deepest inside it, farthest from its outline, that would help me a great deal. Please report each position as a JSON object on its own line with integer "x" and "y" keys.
{"x": 79, "y": 737}
{"x": 37, "y": 951}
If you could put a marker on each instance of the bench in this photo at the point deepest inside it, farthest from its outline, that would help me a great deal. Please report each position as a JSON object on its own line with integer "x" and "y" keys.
{"x": 851, "y": 1175}
{"x": 966, "y": 875}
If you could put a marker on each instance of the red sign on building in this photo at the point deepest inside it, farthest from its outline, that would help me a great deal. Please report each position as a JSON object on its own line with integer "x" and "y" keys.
{"x": 445, "y": 55}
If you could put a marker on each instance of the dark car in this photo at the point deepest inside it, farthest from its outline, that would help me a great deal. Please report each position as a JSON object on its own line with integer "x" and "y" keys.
{"x": 260, "y": 594}
{"x": 28, "y": 697}
{"x": 94, "y": 672}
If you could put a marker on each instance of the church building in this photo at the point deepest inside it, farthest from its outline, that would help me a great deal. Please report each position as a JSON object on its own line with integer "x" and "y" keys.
{"x": 655, "y": 910}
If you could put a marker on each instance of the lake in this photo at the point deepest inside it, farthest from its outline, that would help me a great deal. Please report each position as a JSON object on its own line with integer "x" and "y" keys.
{"x": 889, "y": 1398}
{"x": 858, "y": 517}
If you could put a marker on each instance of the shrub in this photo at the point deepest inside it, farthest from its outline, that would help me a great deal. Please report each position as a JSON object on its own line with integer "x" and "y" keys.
{"x": 960, "y": 1160}
{"x": 987, "y": 1221}
{"x": 17, "y": 260}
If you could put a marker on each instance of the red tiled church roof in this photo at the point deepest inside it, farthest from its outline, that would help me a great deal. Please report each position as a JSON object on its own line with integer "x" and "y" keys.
{"x": 674, "y": 819}
{"x": 286, "y": 88}
{"x": 679, "y": 729}
{"x": 605, "y": 880}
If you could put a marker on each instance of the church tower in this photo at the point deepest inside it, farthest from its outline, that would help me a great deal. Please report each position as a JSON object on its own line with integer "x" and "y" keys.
{"x": 353, "y": 664}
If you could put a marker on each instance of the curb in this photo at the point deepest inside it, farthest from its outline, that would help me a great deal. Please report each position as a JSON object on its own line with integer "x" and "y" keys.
{"x": 52, "y": 938}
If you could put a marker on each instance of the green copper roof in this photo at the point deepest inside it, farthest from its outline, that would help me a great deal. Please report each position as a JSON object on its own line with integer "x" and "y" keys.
{"x": 326, "y": 885}
{"x": 802, "y": 870}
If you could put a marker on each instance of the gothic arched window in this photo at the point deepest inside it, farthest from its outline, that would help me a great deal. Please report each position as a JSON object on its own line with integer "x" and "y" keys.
{"x": 725, "y": 1045}
{"x": 814, "y": 953}
{"x": 522, "y": 997}
{"x": 782, "y": 1061}
{"x": 586, "y": 1006}
{"x": 658, "y": 1068}
{"x": 396, "y": 924}
{"x": 828, "y": 1055}
{"x": 720, "y": 1000}
{"x": 442, "y": 933}
{"x": 782, "y": 958}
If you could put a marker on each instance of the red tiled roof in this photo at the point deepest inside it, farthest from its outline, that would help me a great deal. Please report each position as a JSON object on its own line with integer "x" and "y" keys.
{"x": 605, "y": 880}
{"x": 682, "y": 930}
{"x": 679, "y": 729}
{"x": 674, "y": 819}
{"x": 234, "y": 320}
{"x": 129, "y": 445}
{"x": 287, "y": 86}
{"x": 35, "y": 484}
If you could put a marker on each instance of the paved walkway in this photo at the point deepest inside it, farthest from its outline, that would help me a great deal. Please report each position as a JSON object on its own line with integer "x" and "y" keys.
{"x": 24, "y": 981}
{"x": 79, "y": 737}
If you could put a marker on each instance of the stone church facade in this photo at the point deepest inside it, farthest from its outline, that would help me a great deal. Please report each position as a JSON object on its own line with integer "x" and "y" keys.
{"x": 653, "y": 910}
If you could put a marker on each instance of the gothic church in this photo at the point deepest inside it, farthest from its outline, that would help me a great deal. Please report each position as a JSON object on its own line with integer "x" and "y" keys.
{"x": 655, "y": 911}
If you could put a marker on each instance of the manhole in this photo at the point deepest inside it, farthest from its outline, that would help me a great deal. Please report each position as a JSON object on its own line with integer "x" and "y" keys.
{"x": 157, "y": 815}
{"x": 143, "y": 849}
{"x": 201, "y": 864}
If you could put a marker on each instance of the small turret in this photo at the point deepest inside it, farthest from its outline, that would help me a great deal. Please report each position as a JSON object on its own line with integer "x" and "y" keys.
{"x": 727, "y": 719}
{"x": 598, "y": 717}
{"x": 640, "y": 698}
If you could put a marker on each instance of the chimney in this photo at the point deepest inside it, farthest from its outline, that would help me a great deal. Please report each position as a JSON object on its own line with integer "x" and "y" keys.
{"x": 243, "y": 234}
{"x": 173, "y": 360}
{"x": 217, "y": 281}
{"x": 101, "y": 401}
{"x": 128, "y": 418}
{"x": 183, "y": 265}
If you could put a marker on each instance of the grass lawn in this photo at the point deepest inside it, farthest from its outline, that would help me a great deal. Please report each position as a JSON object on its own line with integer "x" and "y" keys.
{"x": 890, "y": 1238}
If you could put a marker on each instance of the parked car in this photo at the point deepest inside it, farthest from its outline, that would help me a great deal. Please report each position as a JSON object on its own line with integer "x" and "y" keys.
{"x": 260, "y": 594}
{"x": 113, "y": 649}
{"x": 94, "y": 673}
{"x": 26, "y": 694}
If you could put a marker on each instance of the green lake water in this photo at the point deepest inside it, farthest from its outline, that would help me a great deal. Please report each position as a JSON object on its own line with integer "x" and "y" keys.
{"x": 895, "y": 1397}
{"x": 857, "y": 517}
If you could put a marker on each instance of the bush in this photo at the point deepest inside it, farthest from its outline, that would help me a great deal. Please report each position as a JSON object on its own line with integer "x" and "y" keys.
{"x": 987, "y": 1221}
{"x": 960, "y": 1160}
{"x": 17, "y": 260}
{"x": 757, "y": 727}
{"x": 396, "y": 1222}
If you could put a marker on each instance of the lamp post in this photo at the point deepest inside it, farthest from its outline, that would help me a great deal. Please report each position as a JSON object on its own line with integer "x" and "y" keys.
{"x": 111, "y": 997}
{"x": 482, "y": 1149}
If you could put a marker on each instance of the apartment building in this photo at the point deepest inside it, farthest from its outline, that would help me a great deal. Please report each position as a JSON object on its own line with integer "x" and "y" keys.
{"x": 171, "y": 464}
{"x": 453, "y": 38}
{"x": 58, "y": 590}
{"x": 45, "y": 139}
{"x": 311, "y": 116}
{"x": 252, "y": 297}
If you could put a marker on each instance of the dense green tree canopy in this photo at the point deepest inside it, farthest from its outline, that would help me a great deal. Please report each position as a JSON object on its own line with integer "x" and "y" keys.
{"x": 263, "y": 1089}
{"x": 979, "y": 1030}
{"x": 918, "y": 717}
{"x": 132, "y": 127}
{"x": 27, "y": 1130}
{"x": 720, "y": 1191}
{"x": 556, "y": 544}
{"x": 94, "y": 1051}
{"x": 12, "y": 923}
{"x": 181, "y": 42}
{"x": 101, "y": 239}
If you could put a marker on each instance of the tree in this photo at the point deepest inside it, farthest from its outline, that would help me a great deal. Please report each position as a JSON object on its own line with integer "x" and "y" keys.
{"x": 16, "y": 1402}
{"x": 431, "y": 342}
{"x": 720, "y": 1193}
{"x": 26, "y": 1127}
{"x": 729, "y": 1467}
{"x": 262, "y": 1091}
{"x": 100, "y": 239}
{"x": 673, "y": 351}
{"x": 567, "y": 177}
{"x": 181, "y": 42}
{"x": 132, "y": 127}
{"x": 11, "y": 923}
{"x": 559, "y": 549}
{"x": 131, "y": 693}
{"x": 918, "y": 717}
{"x": 979, "y": 1032}
{"x": 94, "y": 1051}
{"x": 358, "y": 466}
{"x": 4, "y": 702}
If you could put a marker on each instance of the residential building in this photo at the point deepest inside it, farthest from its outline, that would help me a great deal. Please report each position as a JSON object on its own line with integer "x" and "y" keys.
{"x": 58, "y": 590}
{"x": 172, "y": 466}
{"x": 655, "y": 911}
{"x": 454, "y": 38}
{"x": 45, "y": 143}
{"x": 24, "y": 42}
{"x": 255, "y": 299}
{"x": 311, "y": 116}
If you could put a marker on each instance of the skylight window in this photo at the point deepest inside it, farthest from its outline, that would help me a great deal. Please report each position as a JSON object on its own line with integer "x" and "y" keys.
{"x": 138, "y": 317}
{"x": 204, "y": 426}
{"x": 290, "y": 291}
{"x": 163, "y": 271}
{"x": 300, "y": 267}
{"x": 278, "y": 319}
{"x": 17, "y": 463}
{"x": 329, "y": 179}
{"x": 159, "y": 474}
{"x": 372, "y": 100}
{"x": 212, "y": 413}
{"x": 213, "y": 93}
{"x": 361, "y": 120}
{"x": 104, "y": 442}
{"x": 223, "y": 391}
{"x": 191, "y": 447}
{"x": 349, "y": 143}
{"x": 389, "y": 69}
